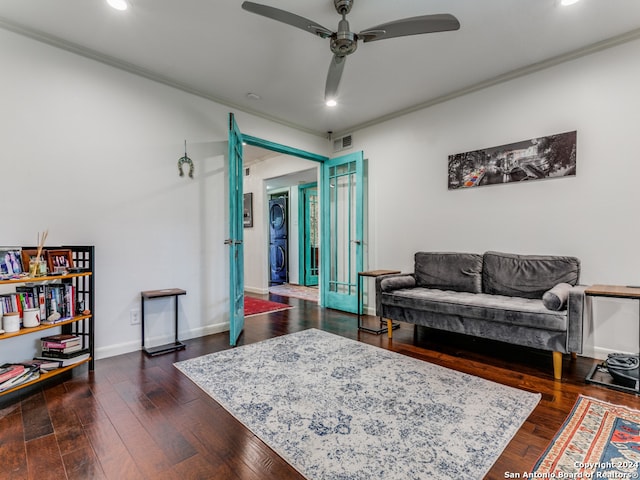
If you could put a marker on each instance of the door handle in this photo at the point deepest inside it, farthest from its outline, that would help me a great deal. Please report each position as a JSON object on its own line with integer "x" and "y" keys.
{"x": 357, "y": 242}
{"x": 230, "y": 241}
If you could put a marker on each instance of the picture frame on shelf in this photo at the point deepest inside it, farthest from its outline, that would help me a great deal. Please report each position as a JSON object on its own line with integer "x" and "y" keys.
{"x": 29, "y": 255}
{"x": 59, "y": 261}
{"x": 10, "y": 262}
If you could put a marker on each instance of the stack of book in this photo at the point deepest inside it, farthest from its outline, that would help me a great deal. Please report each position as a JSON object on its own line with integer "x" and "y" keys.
{"x": 65, "y": 349}
{"x": 14, "y": 374}
{"x": 50, "y": 298}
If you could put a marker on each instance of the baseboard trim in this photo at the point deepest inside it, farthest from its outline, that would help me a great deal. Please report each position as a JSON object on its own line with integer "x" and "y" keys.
{"x": 133, "y": 346}
{"x": 602, "y": 353}
{"x": 256, "y": 290}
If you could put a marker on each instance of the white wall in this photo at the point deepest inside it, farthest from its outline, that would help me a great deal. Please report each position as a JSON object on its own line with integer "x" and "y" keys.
{"x": 592, "y": 216}
{"x": 90, "y": 153}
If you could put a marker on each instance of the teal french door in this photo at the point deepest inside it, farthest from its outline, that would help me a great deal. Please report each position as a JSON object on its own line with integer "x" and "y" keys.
{"x": 309, "y": 234}
{"x": 342, "y": 230}
{"x": 236, "y": 234}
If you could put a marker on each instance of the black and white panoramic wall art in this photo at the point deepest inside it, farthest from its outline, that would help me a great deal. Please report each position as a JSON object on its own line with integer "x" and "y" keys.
{"x": 536, "y": 159}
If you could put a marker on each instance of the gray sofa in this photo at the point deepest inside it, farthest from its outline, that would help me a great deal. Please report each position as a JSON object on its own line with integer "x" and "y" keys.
{"x": 529, "y": 300}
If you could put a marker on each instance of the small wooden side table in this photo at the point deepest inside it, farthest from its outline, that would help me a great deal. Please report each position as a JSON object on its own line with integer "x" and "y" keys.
{"x": 167, "y": 292}
{"x": 390, "y": 325}
{"x": 613, "y": 291}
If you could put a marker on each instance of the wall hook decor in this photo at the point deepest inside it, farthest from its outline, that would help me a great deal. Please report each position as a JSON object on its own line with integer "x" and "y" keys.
{"x": 184, "y": 160}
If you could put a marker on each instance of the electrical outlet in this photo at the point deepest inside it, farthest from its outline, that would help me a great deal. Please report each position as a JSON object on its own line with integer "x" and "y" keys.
{"x": 134, "y": 317}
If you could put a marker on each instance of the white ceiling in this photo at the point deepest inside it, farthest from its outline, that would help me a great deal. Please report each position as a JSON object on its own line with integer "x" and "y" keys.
{"x": 217, "y": 50}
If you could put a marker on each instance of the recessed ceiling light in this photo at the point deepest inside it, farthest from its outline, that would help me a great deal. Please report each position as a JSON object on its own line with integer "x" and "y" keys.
{"x": 568, "y": 2}
{"x": 118, "y": 4}
{"x": 331, "y": 103}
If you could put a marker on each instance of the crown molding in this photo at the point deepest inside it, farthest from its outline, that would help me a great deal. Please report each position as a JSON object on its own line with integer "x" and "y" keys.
{"x": 150, "y": 75}
{"x": 142, "y": 72}
{"x": 505, "y": 77}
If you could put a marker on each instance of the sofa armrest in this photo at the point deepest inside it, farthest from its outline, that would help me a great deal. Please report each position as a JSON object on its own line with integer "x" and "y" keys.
{"x": 575, "y": 318}
{"x": 389, "y": 283}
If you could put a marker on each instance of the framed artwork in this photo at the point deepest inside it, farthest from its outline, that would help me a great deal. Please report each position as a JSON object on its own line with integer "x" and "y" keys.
{"x": 28, "y": 255}
{"x": 59, "y": 260}
{"x": 247, "y": 216}
{"x": 10, "y": 262}
{"x": 540, "y": 158}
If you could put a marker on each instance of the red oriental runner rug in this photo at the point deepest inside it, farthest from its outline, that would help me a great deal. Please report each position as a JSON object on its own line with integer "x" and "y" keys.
{"x": 598, "y": 440}
{"x": 256, "y": 306}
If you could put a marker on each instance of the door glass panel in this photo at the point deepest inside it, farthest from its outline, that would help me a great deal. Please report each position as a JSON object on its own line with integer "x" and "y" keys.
{"x": 342, "y": 230}
{"x": 314, "y": 240}
{"x": 342, "y": 193}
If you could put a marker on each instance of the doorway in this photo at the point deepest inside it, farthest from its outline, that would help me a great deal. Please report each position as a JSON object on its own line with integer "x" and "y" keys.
{"x": 272, "y": 243}
{"x": 341, "y": 248}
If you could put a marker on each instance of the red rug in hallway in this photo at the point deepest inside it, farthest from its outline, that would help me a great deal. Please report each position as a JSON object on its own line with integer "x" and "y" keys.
{"x": 256, "y": 306}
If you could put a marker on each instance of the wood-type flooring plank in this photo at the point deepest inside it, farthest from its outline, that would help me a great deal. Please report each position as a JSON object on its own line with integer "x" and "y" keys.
{"x": 12, "y": 445}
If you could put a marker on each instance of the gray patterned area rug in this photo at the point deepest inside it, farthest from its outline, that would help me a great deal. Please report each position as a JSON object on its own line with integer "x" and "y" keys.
{"x": 337, "y": 409}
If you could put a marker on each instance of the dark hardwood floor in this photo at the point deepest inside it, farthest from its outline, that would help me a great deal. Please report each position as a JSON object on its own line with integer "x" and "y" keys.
{"x": 139, "y": 418}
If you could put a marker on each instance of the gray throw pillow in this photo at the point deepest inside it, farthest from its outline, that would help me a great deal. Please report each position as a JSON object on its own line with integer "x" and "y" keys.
{"x": 460, "y": 272}
{"x": 556, "y": 298}
{"x": 397, "y": 282}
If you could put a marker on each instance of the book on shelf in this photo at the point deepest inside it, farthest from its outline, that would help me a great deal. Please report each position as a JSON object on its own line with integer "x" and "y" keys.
{"x": 47, "y": 344}
{"x": 43, "y": 365}
{"x": 50, "y": 298}
{"x": 69, "y": 348}
{"x": 28, "y": 374}
{"x": 57, "y": 354}
{"x": 66, "y": 361}
{"x": 61, "y": 338}
{"x": 9, "y": 370}
{"x": 34, "y": 297}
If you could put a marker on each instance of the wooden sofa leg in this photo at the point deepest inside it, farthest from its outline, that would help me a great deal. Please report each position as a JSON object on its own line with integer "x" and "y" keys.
{"x": 557, "y": 365}
{"x": 574, "y": 356}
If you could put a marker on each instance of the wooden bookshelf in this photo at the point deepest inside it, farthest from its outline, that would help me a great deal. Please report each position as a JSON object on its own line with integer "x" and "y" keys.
{"x": 81, "y": 325}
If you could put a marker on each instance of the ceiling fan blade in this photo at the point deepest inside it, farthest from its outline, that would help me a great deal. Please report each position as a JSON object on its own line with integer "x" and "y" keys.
{"x": 288, "y": 18}
{"x": 333, "y": 77}
{"x": 411, "y": 26}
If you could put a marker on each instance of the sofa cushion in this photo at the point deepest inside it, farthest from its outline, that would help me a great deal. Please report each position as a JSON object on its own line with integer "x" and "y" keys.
{"x": 496, "y": 308}
{"x": 460, "y": 272}
{"x": 527, "y": 276}
{"x": 390, "y": 283}
{"x": 556, "y": 298}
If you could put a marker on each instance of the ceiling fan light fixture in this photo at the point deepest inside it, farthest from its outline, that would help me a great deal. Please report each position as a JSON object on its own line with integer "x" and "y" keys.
{"x": 118, "y": 4}
{"x": 344, "y": 42}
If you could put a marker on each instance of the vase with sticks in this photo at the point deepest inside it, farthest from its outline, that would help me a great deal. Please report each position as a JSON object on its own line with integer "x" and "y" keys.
{"x": 37, "y": 265}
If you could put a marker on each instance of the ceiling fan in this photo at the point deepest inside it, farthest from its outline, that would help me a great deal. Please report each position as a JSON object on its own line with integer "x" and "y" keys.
{"x": 344, "y": 42}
